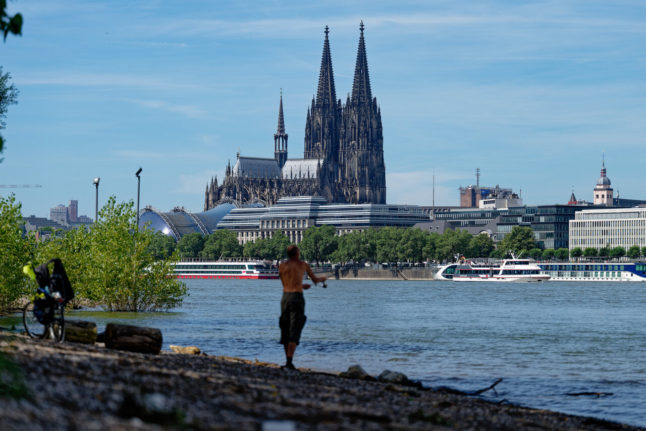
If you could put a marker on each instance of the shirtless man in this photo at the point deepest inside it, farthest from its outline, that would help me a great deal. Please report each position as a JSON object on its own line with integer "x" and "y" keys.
{"x": 292, "y": 306}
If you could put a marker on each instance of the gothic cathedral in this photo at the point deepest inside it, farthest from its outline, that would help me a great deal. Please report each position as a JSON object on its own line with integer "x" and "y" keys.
{"x": 343, "y": 158}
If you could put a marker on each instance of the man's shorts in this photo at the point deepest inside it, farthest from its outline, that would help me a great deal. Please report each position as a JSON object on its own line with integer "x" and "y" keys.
{"x": 292, "y": 317}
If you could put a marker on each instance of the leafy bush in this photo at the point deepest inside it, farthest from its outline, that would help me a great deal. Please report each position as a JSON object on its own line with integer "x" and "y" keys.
{"x": 16, "y": 250}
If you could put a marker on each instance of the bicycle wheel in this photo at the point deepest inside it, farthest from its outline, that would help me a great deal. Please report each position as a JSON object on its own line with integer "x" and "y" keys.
{"x": 57, "y": 327}
{"x": 33, "y": 327}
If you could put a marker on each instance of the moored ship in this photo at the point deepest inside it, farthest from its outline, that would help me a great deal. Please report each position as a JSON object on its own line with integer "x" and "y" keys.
{"x": 594, "y": 271}
{"x": 223, "y": 269}
{"x": 517, "y": 270}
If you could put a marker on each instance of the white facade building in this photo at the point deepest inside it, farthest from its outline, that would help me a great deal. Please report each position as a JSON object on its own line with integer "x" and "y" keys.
{"x": 598, "y": 228}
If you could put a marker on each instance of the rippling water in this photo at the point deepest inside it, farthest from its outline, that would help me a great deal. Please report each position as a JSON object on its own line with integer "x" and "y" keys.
{"x": 544, "y": 340}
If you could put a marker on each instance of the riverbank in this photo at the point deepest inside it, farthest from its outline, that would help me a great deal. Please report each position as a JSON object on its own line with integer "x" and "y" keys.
{"x": 71, "y": 386}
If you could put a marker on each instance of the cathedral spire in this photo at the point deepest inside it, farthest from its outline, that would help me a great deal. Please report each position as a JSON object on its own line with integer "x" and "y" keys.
{"x": 280, "y": 130}
{"x": 361, "y": 85}
{"x": 326, "y": 93}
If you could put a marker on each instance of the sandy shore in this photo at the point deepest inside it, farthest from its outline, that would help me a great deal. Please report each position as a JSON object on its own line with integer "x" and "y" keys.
{"x": 68, "y": 386}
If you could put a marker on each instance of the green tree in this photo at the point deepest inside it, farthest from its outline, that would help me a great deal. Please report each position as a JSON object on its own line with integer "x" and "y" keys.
{"x": 252, "y": 249}
{"x": 318, "y": 243}
{"x": 190, "y": 245}
{"x": 520, "y": 239}
{"x": 633, "y": 252}
{"x": 388, "y": 239}
{"x": 576, "y": 252}
{"x": 16, "y": 249}
{"x": 480, "y": 246}
{"x": 8, "y": 23}
{"x": 350, "y": 247}
{"x": 430, "y": 246}
{"x": 221, "y": 243}
{"x": 452, "y": 243}
{"x": 8, "y": 96}
{"x": 411, "y": 245}
{"x": 548, "y": 254}
{"x": 535, "y": 253}
{"x": 275, "y": 248}
{"x": 590, "y": 252}
{"x": 74, "y": 248}
{"x": 125, "y": 274}
{"x": 617, "y": 252}
{"x": 562, "y": 253}
{"x": 162, "y": 246}
{"x": 604, "y": 252}
{"x": 496, "y": 254}
{"x": 643, "y": 251}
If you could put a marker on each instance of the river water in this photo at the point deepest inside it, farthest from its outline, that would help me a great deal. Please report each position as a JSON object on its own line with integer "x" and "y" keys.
{"x": 545, "y": 339}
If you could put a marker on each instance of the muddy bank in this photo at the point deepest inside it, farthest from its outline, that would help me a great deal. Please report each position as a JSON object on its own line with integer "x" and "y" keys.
{"x": 69, "y": 386}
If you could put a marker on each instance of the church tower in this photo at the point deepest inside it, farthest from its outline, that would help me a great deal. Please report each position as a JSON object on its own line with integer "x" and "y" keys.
{"x": 280, "y": 137}
{"x": 362, "y": 143}
{"x": 323, "y": 117}
{"x": 603, "y": 189}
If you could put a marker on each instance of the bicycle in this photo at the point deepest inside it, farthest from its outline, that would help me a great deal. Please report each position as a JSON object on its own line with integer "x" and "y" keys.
{"x": 44, "y": 315}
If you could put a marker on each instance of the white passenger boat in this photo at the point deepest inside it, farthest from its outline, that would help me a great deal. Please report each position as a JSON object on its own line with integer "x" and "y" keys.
{"x": 224, "y": 269}
{"x": 518, "y": 270}
{"x": 594, "y": 271}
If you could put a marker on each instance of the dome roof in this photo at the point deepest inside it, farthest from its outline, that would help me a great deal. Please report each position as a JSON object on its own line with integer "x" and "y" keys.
{"x": 603, "y": 181}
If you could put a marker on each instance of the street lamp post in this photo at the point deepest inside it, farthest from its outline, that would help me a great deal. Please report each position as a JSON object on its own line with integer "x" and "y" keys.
{"x": 138, "y": 188}
{"x": 96, "y": 202}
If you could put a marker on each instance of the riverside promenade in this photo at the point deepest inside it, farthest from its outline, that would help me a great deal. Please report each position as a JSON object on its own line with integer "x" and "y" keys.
{"x": 69, "y": 386}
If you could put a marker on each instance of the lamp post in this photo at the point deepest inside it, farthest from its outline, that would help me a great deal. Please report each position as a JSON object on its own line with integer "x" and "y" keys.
{"x": 138, "y": 188}
{"x": 96, "y": 202}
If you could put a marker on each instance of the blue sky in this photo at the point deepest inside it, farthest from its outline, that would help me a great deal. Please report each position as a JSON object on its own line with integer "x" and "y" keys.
{"x": 531, "y": 92}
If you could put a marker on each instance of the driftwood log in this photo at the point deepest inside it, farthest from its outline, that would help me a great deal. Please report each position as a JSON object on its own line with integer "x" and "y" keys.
{"x": 133, "y": 338}
{"x": 80, "y": 331}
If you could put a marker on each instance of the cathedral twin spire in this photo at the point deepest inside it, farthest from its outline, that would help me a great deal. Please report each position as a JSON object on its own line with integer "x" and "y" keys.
{"x": 326, "y": 93}
{"x": 361, "y": 85}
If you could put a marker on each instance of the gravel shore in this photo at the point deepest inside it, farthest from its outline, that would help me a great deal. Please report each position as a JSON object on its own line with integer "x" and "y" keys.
{"x": 69, "y": 386}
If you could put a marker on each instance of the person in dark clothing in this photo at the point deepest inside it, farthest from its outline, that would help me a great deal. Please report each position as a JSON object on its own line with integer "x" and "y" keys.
{"x": 292, "y": 305}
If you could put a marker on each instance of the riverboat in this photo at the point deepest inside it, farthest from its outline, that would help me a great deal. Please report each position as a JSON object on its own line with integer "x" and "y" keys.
{"x": 517, "y": 270}
{"x": 594, "y": 271}
{"x": 222, "y": 269}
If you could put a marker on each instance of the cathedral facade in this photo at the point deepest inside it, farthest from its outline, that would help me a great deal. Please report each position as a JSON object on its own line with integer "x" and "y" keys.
{"x": 343, "y": 157}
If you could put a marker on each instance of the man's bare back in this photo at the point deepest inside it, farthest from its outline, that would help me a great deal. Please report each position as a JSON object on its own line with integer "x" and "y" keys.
{"x": 291, "y": 274}
{"x": 292, "y": 270}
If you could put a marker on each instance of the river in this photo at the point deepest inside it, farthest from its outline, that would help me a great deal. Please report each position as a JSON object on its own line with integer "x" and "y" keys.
{"x": 545, "y": 339}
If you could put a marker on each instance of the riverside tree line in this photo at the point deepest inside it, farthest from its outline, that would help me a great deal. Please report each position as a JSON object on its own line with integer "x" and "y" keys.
{"x": 388, "y": 244}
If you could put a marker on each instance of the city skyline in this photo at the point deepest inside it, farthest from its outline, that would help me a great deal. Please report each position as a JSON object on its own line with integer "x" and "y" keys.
{"x": 530, "y": 93}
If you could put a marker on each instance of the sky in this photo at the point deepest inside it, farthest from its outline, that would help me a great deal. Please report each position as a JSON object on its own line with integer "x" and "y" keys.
{"x": 531, "y": 92}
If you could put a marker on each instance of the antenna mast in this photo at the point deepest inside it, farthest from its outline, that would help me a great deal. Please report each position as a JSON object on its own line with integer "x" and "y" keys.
{"x": 478, "y": 177}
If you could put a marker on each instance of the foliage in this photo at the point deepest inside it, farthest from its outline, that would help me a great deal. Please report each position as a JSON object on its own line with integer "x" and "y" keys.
{"x": 318, "y": 243}
{"x": 8, "y": 23}
{"x": 8, "y": 95}
{"x": 16, "y": 251}
{"x": 562, "y": 253}
{"x": 74, "y": 249}
{"x": 452, "y": 243}
{"x": 113, "y": 263}
{"x": 535, "y": 253}
{"x": 633, "y": 252}
{"x": 548, "y": 254}
{"x": 576, "y": 252}
{"x": 190, "y": 245}
{"x": 617, "y": 252}
{"x": 521, "y": 238}
{"x": 221, "y": 243}
{"x": 590, "y": 252}
{"x": 480, "y": 246}
{"x": 604, "y": 252}
{"x": 643, "y": 251}
{"x": 274, "y": 248}
{"x": 162, "y": 246}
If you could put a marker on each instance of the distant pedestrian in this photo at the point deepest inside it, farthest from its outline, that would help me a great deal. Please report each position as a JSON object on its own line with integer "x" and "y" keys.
{"x": 292, "y": 305}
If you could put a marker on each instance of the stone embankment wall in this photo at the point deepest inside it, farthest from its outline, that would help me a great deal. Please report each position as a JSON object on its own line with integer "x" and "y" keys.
{"x": 383, "y": 274}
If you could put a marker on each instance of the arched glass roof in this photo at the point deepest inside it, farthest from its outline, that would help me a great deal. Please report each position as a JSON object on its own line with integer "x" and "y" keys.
{"x": 179, "y": 222}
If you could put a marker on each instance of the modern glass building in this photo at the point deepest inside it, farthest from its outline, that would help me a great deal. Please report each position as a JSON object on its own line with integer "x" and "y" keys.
{"x": 598, "y": 228}
{"x": 180, "y": 222}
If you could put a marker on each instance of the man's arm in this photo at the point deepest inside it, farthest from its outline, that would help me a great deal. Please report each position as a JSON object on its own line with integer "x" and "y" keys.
{"x": 311, "y": 275}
